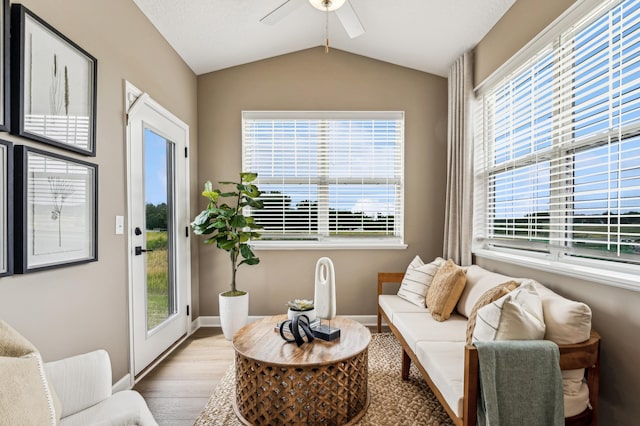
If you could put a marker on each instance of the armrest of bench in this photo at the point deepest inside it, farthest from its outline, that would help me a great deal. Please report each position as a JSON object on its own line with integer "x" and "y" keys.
{"x": 386, "y": 278}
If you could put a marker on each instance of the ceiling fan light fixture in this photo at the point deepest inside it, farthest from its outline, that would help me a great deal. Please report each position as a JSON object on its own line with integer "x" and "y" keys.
{"x": 327, "y": 5}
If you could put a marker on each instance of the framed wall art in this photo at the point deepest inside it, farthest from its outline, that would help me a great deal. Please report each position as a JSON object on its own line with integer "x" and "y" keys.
{"x": 4, "y": 66}
{"x": 53, "y": 85}
{"x": 6, "y": 208}
{"x": 56, "y": 217}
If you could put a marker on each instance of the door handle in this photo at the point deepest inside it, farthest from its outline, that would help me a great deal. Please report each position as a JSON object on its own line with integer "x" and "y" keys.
{"x": 139, "y": 250}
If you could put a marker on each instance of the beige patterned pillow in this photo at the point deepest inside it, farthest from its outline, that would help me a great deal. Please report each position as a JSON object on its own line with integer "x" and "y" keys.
{"x": 487, "y": 297}
{"x": 417, "y": 280}
{"x": 445, "y": 290}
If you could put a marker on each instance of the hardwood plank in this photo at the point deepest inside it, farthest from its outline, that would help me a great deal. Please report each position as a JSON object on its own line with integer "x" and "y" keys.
{"x": 177, "y": 388}
{"x": 180, "y": 386}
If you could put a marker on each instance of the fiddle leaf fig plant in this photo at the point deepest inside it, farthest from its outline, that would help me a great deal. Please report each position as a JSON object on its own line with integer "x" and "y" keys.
{"x": 225, "y": 225}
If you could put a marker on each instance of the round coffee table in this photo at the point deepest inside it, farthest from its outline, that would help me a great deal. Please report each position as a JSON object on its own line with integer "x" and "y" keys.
{"x": 317, "y": 383}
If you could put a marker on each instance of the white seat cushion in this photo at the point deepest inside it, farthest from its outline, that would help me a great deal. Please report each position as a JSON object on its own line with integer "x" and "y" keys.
{"x": 444, "y": 362}
{"x": 123, "y": 408}
{"x": 417, "y": 327}
{"x": 576, "y": 403}
{"x": 392, "y": 304}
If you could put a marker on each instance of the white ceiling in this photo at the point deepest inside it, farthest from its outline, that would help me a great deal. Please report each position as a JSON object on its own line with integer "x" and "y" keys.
{"x": 427, "y": 35}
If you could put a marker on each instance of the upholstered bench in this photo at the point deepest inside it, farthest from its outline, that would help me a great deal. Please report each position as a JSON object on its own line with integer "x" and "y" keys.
{"x": 449, "y": 363}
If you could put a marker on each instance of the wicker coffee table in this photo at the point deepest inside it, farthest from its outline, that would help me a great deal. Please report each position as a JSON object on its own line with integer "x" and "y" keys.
{"x": 317, "y": 383}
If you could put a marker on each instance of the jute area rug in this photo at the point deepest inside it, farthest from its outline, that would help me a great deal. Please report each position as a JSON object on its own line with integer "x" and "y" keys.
{"x": 393, "y": 400}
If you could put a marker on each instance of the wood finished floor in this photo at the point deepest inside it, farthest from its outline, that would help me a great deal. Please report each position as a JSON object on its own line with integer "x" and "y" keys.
{"x": 180, "y": 386}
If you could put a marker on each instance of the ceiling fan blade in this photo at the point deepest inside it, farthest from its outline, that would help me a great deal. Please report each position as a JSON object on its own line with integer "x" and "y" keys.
{"x": 281, "y": 11}
{"x": 349, "y": 20}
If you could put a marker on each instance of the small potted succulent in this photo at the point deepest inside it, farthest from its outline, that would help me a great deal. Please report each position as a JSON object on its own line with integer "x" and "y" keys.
{"x": 300, "y": 307}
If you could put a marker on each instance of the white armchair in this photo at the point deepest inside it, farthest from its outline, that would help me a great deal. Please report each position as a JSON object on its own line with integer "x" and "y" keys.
{"x": 83, "y": 385}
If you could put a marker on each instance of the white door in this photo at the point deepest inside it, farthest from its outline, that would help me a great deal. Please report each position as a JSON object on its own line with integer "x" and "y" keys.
{"x": 159, "y": 259}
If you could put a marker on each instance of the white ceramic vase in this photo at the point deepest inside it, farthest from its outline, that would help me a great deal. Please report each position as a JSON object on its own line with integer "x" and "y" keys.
{"x": 234, "y": 312}
{"x": 311, "y": 314}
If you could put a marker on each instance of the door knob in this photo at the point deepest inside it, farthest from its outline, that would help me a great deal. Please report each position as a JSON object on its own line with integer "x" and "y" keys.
{"x": 139, "y": 250}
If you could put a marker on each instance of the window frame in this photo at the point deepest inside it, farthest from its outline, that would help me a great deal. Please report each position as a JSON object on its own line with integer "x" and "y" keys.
{"x": 322, "y": 240}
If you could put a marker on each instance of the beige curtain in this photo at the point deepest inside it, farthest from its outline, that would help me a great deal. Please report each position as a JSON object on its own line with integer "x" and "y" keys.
{"x": 458, "y": 230}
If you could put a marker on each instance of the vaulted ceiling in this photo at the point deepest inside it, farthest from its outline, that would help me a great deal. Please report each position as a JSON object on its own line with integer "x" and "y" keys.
{"x": 426, "y": 35}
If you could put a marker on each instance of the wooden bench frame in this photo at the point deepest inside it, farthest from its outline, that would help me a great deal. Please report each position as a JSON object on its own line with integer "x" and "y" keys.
{"x": 582, "y": 355}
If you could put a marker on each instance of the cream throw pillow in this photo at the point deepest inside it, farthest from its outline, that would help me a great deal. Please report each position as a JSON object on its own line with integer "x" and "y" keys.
{"x": 516, "y": 316}
{"x": 445, "y": 290}
{"x": 567, "y": 321}
{"x": 25, "y": 395}
{"x": 417, "y": 280}
{"x": 489, "y": 296}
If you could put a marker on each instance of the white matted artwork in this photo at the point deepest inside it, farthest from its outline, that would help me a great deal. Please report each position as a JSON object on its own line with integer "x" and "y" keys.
{"x": 59, "y": 210}
{"x": 57, "y": 85}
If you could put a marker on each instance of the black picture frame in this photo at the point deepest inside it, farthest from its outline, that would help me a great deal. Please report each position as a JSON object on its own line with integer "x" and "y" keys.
{"x": 6, "y": 208}
{"x": 56, "y": 210}
{"x": 5, "y": 90}
{"x": 53, "y": 85}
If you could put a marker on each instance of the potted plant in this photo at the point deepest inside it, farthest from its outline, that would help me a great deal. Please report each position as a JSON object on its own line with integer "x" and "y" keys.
{"x": 299, "y": 307}
{"x": 225, "y": 225}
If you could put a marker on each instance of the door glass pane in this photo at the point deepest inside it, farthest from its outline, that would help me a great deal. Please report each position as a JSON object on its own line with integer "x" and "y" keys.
{"x": 158, "y": 175}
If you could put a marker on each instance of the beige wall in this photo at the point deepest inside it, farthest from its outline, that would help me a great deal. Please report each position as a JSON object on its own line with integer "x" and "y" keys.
{"x": 77, "y": 309}
{"x": 311, "y": 80}
{"x": 616, "y": 315}
{"x": 522, "y": 22}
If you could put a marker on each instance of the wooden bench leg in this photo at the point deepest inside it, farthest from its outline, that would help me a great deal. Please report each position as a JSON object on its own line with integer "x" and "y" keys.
{"x": 406, "y": 364}
{"x": 379, "y": 321}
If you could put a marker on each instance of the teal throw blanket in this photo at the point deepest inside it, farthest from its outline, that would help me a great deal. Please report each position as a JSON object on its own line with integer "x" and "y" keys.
{"x": 520, "y": 383}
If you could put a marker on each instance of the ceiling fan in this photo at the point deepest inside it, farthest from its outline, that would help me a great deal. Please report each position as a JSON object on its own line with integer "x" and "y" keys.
{"x": 343, "y": 9}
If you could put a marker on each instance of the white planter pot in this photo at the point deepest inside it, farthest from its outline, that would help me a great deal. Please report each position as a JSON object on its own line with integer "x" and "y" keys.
{"x": 311, "y": 314}
{"x": 234, "y": 311}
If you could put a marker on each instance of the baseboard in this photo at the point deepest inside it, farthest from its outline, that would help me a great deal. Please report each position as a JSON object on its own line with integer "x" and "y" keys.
{"x": 122, "y": 384}
{"x": 214, "y": 321}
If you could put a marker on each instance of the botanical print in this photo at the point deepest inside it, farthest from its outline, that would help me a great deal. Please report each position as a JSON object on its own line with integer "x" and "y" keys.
{"x": 60, "y": 210}
{"x": 57, "y": 92}
{"x": 61, "y": 189}
{"x": 59, "y": 89}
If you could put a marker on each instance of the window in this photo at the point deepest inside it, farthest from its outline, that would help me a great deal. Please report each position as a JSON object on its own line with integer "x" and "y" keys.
{"x": 328, "y": 178}
{"x": 558, "y": 146}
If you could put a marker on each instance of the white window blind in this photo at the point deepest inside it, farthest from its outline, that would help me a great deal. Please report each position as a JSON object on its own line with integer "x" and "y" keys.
{"x": 558, "y": 145}
{"x": 327, "y": 176}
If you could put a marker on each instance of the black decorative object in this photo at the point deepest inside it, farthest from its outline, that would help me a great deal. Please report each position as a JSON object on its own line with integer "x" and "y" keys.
{"x": 325, "y": 332}
{"x": 56, "y": 210}
{"x": 6, "y": 208}
{"x": 299, "y": 327}
{"x": 53, "y": 85}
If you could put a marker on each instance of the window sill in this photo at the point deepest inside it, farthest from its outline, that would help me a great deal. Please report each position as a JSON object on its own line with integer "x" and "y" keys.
{"x": 615, "y": 278}
{"x": 322, "y": 245}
